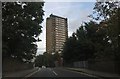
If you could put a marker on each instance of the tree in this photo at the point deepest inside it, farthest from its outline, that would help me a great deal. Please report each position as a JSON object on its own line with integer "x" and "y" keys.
{"x": 86, "y": 39}
{"x": 39, "y": 61}
{"x": 46, "y": 59}
{"x": 21, "y": 28}
{"x": 68, "y": 50}
{"x": 110, "y": 12}
{"x": 98, "y": 39}
{"x": 84, "y": 44}
{"x": 105, "y": 10}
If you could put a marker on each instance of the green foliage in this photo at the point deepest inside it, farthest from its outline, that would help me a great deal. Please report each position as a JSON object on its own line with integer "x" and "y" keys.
{"x": 69, "y": 49}
{"x": 99, "y": 39}
{"x": 21, "y": 27}
{"x": 110, "y": 11}
{"x": 46, "y": 59}
{"x": 39, "y": 60}
{"x": 105, "y": 10}
{"x": 80, "y": 46}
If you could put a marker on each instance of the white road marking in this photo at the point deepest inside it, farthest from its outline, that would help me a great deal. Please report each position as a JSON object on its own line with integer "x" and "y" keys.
{"x": 33, "y": 73}
{"x": 55, "y": 73}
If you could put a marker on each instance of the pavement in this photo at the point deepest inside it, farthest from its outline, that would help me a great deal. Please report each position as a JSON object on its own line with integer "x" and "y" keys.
{"x": 62, "y": 72}
{"x": 103, "y": 75}
{"x": 59, "y": 73}
{"x": 47, "y": 73}
{"x": 22, "y": 73}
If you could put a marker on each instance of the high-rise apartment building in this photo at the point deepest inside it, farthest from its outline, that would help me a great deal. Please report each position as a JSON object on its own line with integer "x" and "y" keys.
{"x": 56, "y": 33}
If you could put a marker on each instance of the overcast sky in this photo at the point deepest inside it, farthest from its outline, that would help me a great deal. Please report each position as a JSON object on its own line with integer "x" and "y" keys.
{"x": 75, "y": 12}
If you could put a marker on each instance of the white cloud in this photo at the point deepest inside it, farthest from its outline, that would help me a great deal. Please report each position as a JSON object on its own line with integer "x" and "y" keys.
{"x": 75, "y": 12}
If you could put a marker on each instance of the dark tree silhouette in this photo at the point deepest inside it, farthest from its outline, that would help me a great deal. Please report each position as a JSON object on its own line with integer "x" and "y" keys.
{"x": 21, "y": 27}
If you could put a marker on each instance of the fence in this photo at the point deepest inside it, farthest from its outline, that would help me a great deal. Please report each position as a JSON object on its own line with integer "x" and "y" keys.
{"x": 103, "y": 66}
{"x": 81, "y": 64}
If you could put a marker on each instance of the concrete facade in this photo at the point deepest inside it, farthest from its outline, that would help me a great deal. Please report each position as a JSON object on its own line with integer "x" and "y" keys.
{"x": 56, "y": 33}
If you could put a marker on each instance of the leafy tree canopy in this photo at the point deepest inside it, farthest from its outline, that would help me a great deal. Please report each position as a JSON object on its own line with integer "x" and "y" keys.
{"x": 21, "y": 28}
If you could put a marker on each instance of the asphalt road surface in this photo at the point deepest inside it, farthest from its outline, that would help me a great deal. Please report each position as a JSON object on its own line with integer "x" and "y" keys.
{"x": 62, "y": 73}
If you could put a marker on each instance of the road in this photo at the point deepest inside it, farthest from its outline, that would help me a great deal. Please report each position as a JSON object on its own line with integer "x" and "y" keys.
{"x": 51, "y": 73}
